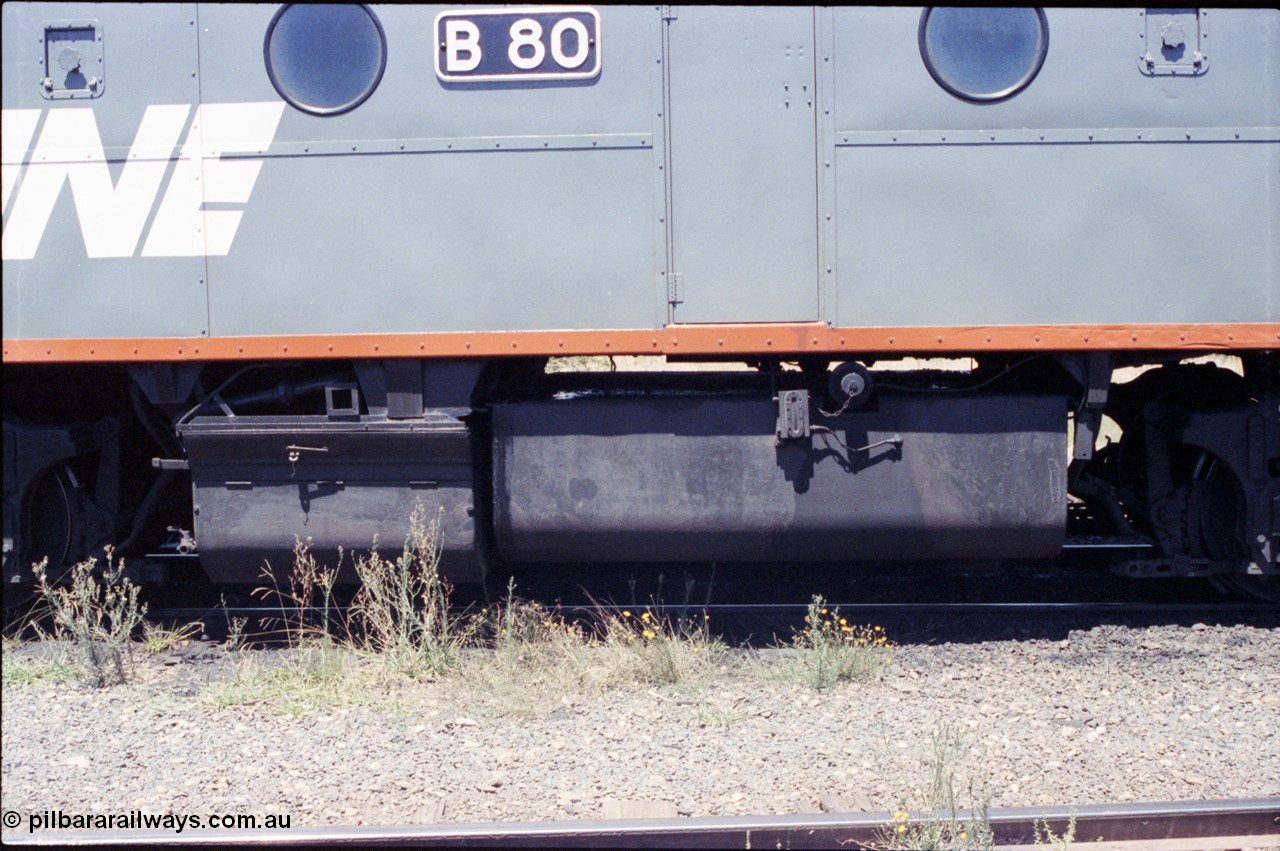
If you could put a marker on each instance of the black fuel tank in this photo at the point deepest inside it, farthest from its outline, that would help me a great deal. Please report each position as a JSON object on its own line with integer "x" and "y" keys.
{"x": 676, "y": 478}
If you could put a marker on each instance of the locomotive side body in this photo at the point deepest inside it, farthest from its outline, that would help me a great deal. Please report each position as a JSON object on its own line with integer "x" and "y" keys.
{"x": 287, "y": 271}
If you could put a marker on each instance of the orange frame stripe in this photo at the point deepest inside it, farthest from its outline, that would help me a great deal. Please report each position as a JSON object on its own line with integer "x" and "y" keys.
{"x": 739, "y": 340}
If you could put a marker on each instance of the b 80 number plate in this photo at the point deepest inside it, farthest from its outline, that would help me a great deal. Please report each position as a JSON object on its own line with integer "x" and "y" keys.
{"x": 529, "y": 43}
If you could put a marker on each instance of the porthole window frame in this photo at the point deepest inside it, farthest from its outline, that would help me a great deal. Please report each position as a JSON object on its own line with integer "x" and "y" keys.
{"x": 1004, "y": 94}
{"x": 341, "y": 109}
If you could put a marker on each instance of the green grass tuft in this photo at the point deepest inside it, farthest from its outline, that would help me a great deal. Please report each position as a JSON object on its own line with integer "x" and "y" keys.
{"x": 98, "y": 614}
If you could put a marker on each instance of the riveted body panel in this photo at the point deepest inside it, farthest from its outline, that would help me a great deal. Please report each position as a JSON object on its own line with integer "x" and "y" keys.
{"x": 1044, "y": 240}
{"x": 1096, "y": 195}
{"x": 85, "y": 165}
{"x": 487, "y": 205}
{"x": 744, "y": 220}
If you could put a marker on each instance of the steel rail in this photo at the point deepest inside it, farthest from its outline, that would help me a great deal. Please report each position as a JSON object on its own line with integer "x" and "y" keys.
{"x": 800, "y": 608}
{"x": 1012, "y": 827}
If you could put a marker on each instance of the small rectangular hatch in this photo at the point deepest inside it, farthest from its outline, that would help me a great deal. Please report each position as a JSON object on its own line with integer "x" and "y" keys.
{"x": 1173, "y": 42}
{"x": 71, "y": 60}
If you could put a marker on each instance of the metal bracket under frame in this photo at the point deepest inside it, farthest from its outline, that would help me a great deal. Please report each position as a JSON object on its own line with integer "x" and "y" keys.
{"x": 793, "y": 415}
{"x": 1182, "y": 568}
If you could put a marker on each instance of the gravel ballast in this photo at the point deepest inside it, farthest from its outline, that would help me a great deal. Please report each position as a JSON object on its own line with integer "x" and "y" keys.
{"x": 1108, "y": 714}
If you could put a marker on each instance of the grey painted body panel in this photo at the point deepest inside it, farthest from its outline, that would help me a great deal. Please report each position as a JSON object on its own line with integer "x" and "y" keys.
{"x": 951, "y": 213}
{"x": 1090, "y": 77}
{"x": 744, "y": 217}
{"x": 440, "y": 206}
{"x": 475, "y": 226}
{"x": 150, "y": 56}
{"x": 1017, "y": 236}
{"x": 517, "y": 255}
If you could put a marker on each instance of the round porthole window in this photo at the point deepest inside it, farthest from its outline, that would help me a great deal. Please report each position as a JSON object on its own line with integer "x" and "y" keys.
{"x": 983, "y": 54}
{"x": 325, "y": 59}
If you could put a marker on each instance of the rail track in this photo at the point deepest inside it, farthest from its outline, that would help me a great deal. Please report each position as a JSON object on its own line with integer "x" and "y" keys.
{"x": 760, "y": 624}
{"x": 1083, "y": 578}
{"x": 786, "y": 609}
{"x": 1238, "y": 823}
{"x": 920, "y": 601}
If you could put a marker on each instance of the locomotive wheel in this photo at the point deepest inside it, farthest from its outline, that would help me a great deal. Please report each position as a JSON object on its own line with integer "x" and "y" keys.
{"x": 50, "y": 518}
{"x": 1213, "y": 528}
{"x": 1265, "y": 588}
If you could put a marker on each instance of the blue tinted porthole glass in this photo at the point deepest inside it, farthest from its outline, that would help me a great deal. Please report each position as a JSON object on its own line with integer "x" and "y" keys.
{"x": 325, "y": 59}
{"x": 983, "y": 54}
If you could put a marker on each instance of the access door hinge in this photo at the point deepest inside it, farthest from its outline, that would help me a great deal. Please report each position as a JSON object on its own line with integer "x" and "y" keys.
{"x": 675, "y": 288}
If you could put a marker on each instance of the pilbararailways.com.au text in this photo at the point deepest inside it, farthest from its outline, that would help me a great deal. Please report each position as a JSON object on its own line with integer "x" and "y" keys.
{"x": 138, "y": 820}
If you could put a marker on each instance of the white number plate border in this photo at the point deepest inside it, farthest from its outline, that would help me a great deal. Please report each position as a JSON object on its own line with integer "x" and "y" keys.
{"x": 467, "y": 13}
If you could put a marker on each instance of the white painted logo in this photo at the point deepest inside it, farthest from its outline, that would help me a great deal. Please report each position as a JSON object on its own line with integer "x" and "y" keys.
{"x": 112, "y": 215}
